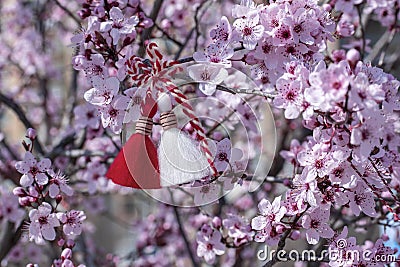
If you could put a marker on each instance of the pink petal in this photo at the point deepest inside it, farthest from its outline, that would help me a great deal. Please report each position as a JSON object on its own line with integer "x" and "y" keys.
{"x": 207, "y": 88}
{"x": 22, "y": 167}
{"x": 26, "y": 180}
{"x": 44, "y": 164}
{"x": 325, "y": 231}
{"x": 48, "y": 233}
{"x": 264, "y": 207}
{"x": 53, "y": 190}
{"x": 41, "y": 178}
{"x": 312, "y": 236}
{"x": 258, "y": 223}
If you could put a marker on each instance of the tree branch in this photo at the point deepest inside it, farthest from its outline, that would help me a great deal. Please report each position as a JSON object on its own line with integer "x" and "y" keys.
{"x": 189, "y": 59}
{"x": 9, "y": 238}
{"x": 146, "y": 32}
{"x": 282, "y": 241}
{"x": 69, "y": 13}
{"x": 22, "y": 117}
{"x": 182, "y": 231}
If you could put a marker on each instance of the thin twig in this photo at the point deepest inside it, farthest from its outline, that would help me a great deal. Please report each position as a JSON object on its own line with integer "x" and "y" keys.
{"x": 22, "y": 117}
{"x": 69, "y": 13}
{"x": 147, "y": 32}
{"x": 189, "y": 59}
{"x": 282, "y": 241}
{"x": 178, "y": 54}
{"x": 245, "y": 91}
{"x": 362, "y": 31}
{"x": 169, "y": 37}
{"x": 196, "y": 23}
{"x": 184, "y": 237}
{"x": 218, "y": 123}
{"x": 9, "y": 238}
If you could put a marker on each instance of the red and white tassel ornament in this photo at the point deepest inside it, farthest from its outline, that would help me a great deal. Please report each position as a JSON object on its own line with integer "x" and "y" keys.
{"x": 136, "y": 165}
{"x": 180, "y": 158}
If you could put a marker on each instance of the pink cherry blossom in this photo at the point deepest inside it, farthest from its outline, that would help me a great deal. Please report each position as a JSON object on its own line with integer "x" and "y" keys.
{"x": 113, "y": 115}
{"x": 266, "y": 51}
{"x": 210, "y": 246}
{"x": 217, "y": 52}
{"x": 362, "y": 199}
{"x": 249, "y": 30}
{"x": 42, "y": 223}
{"x": 103, "y": 91}
{"x": 303, "y": 26}
{"x": 205, "y": 193}
{"x": 33, "y": 170}
{"x": 305, "y": 188}
{"x": 208, "y": 76}
{"x": 138, "y": 96}
{"x": 271, "y": 215}
{"x": 93, "y": 68}
{"x": 226, "y": 155}
{"x": 9, "y": 208}
{"x": 118, "y": 24}
{"x": 316, "y": 223}
{"x": 238, "y": 229}
{"x": 58, "y": 183}
{"x": 222, "y": 32}
{"x": 342, "y": 249}
{"x": 95, "y": 177}
{"x": 86, "y": 115}
{"x": 289, "y": 97}
{"x": 72, "y": 221}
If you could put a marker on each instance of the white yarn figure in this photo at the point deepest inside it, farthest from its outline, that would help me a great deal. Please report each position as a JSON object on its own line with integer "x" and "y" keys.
{"x": 180, "y": 158}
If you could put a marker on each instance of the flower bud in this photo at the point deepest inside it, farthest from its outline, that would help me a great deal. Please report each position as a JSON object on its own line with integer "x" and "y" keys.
{"x": 19, "y": 191}
{"x": 295, "y": 235}
{"x": 59, "y": 199}
{"x": 70, "y": 243}
{"x": 33, "y": 199}
{"x": 66, "y": 254}
{"x": 216, "y": 222}
{"x": 327, "y": 7}
{"x": 31, "y": 133}
{"x": 24, "y": 201}
{"x": 267, "y": 187}
{"x": 353, "y": 56}
{"x": 287, "y": 182}
{"x": 385, "y": 237}
{"x": 61, "y": 242}
{"x": 280, "y": 228}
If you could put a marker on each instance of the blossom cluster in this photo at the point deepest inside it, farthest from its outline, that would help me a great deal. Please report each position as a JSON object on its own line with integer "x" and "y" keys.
{"x": 274, "y": 34}
{"x": 110, "y": 31}
{"x": 43, "y": 190}
{"x": 347, "y": 161}
{"x": 350, "y": 161}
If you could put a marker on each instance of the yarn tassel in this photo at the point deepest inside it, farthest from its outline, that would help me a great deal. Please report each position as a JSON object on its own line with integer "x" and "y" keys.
{"x": 136, "y": 165}
{"x": 180, "y": 158}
